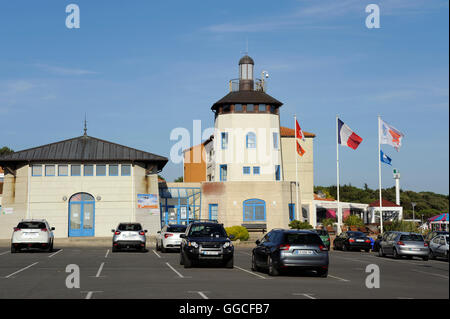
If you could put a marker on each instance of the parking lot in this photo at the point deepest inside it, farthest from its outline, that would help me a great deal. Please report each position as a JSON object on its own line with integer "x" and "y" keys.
{"x": 156, "y": 275}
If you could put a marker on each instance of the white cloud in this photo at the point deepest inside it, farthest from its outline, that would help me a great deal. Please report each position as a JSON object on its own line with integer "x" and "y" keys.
{"x": 63, "y": 70}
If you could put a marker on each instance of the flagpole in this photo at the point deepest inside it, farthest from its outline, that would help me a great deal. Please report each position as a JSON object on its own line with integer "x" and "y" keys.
{"x": 339, "y": 215}
{"x": 379, "y": 174}
{"x": 296, "y": 169}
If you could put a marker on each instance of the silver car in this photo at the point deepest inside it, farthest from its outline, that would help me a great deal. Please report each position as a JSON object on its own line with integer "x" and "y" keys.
{"x": 129, "y": 236}
{"x": 169, "y": 237}
{"x": 32, "y": 233}
{"x": 404, "y": 244}
{"x": 439, "y": 247}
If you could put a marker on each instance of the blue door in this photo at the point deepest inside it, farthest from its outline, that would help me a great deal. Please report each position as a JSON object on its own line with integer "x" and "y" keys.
{"x": 81, "y": 215}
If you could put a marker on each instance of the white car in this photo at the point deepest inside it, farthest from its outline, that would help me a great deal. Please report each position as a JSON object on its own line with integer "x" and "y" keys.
{"x": 32, "y": 233}
{"x": 439, "y": 247}
{"x": 169, "y": 237}
{"x": 129, "y": 235}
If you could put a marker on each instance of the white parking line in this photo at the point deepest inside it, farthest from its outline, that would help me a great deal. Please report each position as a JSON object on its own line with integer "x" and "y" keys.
{"x": 430, "y": 273}
{"x": 250, "y": 272}
{"x": 306, "y": 295}
{"x": 4, "y": 253}
{"x": 89, "y": 293}
{"x": 107, "y": 252}
{"x": 156, "y": 253}
{"x": 338, "y": 278}
{"x": 201, "y": 293}
{"x": 21, "y": 270}
{"x": 175, "y": 271}
{"x": 100, "y": 270}
{"x": 55, "y": 253}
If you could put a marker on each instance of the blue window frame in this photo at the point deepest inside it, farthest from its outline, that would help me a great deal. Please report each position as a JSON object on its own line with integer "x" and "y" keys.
{"x": 63, "y": 170}
{"x": 50, "y": 170}
{"x": 238, "y": 108}
{"x": 277, "y": 173}
{"x": 291, "y": 212}
{"x": 256, "y": 170}
{"x": 246, "y": 170}
{"x": 75, "y": 170}
{"x": 88, "y": 170}
{"x": 275, "y": 141}
{"x": 254, "y": 209}
{"x": 250, "y": 140}
{"x": 114, "y": 170}
{"x": 250, "y": 108}
{"x": 125, "y": 170}
{"x": 224, "y": 140}
{"x": 223, "y": 173}
{"x": 100, "y": 170}
{"x": 262, "y": 108}
{"x": 36, "y": 170}
{"x": 213, "y": 211}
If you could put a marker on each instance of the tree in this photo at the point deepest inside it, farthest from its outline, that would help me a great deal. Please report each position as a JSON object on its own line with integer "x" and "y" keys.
{"x": 5, "y": 150}
{"x": 179, "y": 180}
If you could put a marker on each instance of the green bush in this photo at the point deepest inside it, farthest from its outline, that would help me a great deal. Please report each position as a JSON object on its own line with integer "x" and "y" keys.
{"x": 402, "y": 226}
{"x": 296, "y": 224}
{"x": 239, "y": 232}
{"x": 328, "y": 222}
{"x": 353, "y": 220}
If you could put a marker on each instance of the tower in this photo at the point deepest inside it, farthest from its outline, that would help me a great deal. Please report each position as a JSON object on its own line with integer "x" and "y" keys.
{"x": 247, "y": 145}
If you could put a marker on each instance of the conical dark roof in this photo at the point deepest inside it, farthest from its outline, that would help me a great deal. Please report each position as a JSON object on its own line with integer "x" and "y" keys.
{"x": 246, "y": 60}
{"x": 247, "y": 97}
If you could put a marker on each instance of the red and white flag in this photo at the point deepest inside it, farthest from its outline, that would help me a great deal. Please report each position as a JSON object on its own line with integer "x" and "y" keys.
{"x": 299, "y": 136}
{"x": 347, "y": 137}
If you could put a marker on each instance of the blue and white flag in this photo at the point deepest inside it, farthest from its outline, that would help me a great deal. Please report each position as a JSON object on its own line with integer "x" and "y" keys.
{"x": 384, "y": 158}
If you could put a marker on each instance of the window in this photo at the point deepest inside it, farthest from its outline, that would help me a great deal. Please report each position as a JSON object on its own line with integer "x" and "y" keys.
{"x": 36, "y": 170}
{"x": 238, "y": 108}
{"x": 113, "y": 170}
{"x": 89, "y": 170}
{"x": 49, "y": 170}
{"x": 100, "y": 170}
{"x": 256, "y": 170}
{"x": 226, "y": 109}
{"x": 125, "y": 170}
{"x": 273, "y": 109}
{"x": 261, "y": 108}
{"x": 251, "y": 140}
{"x": 246, "y": 170}
{"x": 224, "y": 140}
{"x": 223, "y": 173}
{"x": 75, "y": 170}
{"x": 291, "y": 212}
{"x": 275, "y": 141}
{"x": 277, "y": 173}
{"x": 250, "y": 108}
{"x": 213, "y": 211}
{"x": 254, "y": 209}
{"x": 63, "y": 170}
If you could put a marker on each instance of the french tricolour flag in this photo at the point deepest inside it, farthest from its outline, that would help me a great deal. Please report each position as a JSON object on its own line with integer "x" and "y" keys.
{"x": 347, "y": 137}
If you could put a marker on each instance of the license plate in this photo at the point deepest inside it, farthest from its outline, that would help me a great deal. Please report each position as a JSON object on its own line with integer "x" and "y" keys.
{"x": 303, "y": 252}
{"x": 130, "y": 235}
{"x": 210, "y": 253}
{"x": 31, "y": 235}
{"x": 360, "y": 240}
{"x": 415, "y": 249}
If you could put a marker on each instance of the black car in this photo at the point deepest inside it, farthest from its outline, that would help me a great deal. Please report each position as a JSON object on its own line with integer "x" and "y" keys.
{"x": 281, "y": 249}
{"x": 352, "y": 240}
{"x": 206, "y": 242}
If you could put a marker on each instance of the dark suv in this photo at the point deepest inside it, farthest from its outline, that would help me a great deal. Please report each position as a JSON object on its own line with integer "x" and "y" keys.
{"x": 280, "y": 249}
{"x": 206, "y": 242}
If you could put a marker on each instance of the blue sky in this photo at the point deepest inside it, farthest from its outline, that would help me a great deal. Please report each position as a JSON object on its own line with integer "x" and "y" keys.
{"x": 141, "y": 68}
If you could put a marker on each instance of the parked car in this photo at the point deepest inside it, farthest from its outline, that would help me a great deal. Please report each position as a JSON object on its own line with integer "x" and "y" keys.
{"x": 380, "y": 238}
{"x": 281, "y": 249}
{"x": 169, "y": 237}
{"x": 129, "y": 236}
{"x": 433, "y": 234}
{"x": 439, "y": 247}
{"x": 206, "y": 242}
{"x": 32, "y": 233}
{"x": 323, "y": 234}
{"x": 352, "y": 240}
{"x": 400, "y": 244}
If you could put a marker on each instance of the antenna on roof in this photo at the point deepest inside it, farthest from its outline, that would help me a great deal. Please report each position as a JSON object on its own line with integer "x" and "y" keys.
{"x": 85, "y": 125}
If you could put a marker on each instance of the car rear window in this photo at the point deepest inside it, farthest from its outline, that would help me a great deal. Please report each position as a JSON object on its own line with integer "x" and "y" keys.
{"x": 356, "y": 234}
{"x": 321, "y": 232}
{"x": 31, "y": 225}
{"x": 176, "y": 229}
{"x": 130, "y": 227}
{"x": 207, "y": 231}
{"x": 411, "y": 237}
{"x": 302, "y": 239}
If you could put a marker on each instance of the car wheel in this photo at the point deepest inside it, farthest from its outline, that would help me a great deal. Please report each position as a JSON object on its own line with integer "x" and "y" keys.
{"x": 273, "y": 271}
{"x": 254, "y": 266}
{"x": 187, "y": 262}
{"x": 50, "y": 248}
{"x": 163, "y": 250}
{"x": 13, "y": 249}
{"x": 380, "y": 252}
{"x": 366, "y": 250}
{"x": 344, "y": 247}
{"x": 425, "y": 258}
{"x": 396, "y": 255}
{"x": 323, "y": 273}
{"x": 114, "y": 249}
{"x": 181, "y": 258}
{"x": 230, "y": 263}
{"x": 431, "y": 255}
{"x": 157, "y": 246}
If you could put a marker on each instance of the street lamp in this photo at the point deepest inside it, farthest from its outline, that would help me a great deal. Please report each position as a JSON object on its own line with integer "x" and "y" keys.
{"x": 413, "y": 205}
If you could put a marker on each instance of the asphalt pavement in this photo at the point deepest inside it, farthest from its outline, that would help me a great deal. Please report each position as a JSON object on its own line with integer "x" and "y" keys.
{"x": 152, "y": 274}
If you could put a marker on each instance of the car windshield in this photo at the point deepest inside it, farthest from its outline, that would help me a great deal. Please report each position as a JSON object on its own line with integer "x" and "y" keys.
{"x": 411, "y": 237}
{"x": 207, "y": 231}
{"x": 130, "y": 227}
{"x": 176, "y": 229}
{"x": 31, "y": 225}
{"x": 302, "y": 239}
{"x": 356, "y": 234}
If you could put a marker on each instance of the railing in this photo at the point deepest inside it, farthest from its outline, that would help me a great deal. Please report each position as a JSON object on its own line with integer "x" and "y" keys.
{"x": 260, "y": 85}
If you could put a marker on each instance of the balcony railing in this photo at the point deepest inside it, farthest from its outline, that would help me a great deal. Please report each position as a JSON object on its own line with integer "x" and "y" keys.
{"x": 260, "y": 85}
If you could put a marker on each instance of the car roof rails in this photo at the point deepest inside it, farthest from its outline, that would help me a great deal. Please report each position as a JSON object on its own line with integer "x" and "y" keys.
{"x": 204, "y": 221}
